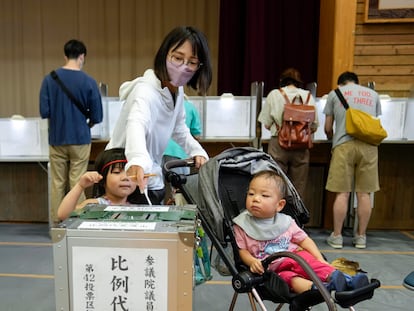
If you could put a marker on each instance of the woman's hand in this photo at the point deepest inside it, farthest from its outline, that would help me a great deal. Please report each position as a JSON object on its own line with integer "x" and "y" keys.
{"x": 199, "y": 161}
{"x": 136, "y": 173}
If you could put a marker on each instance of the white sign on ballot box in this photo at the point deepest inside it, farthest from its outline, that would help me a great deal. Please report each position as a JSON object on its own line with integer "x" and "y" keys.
{"x": 119, "y": 278}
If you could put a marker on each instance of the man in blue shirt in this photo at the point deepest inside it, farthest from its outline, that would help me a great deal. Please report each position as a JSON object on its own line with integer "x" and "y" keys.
{"x": 69, "y": 131}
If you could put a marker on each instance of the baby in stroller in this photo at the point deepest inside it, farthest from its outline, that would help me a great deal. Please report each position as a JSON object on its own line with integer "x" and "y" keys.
{"x": 261, "y": 231}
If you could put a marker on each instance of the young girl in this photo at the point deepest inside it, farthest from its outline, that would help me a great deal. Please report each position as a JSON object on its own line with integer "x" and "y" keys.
{"x": 111, "y": 184}
{"x": 261, "y": 230}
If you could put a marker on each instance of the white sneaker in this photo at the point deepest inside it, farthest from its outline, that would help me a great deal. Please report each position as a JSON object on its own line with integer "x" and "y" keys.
{"x": 335, "y": 241}
{"x": 360, "y": 241}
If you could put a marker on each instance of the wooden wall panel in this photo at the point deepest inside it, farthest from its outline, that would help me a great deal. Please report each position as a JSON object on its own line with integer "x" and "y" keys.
{"x": 23, "y": 192}
{"x": 386, "y": 49}
{"x": 384, "y": 53}
{"x": 379, "y": 52}
{"x": 393, "y": 204}
{"x": 122, "y": 37}
{"x": 10, "y": 55}
{"x": 326, "y": 76}
{"x": 336, "y": 42}
{"x": 31, "y": 52}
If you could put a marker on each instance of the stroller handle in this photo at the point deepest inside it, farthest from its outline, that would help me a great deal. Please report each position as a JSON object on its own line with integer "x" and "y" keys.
{"x": 172, "y": 177}
{"x": 178, "y": 163}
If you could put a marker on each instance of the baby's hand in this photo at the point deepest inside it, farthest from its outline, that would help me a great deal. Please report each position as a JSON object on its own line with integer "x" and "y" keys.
{"x": 89, "y": 179}
{"x": 257, "y": 267}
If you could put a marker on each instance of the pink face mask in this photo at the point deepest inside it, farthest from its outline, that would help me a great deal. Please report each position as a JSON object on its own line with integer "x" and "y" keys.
{"x": 180, "y": 75}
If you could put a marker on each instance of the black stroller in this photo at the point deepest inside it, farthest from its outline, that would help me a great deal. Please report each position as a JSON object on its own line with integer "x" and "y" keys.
{"x": 219, "y": 190}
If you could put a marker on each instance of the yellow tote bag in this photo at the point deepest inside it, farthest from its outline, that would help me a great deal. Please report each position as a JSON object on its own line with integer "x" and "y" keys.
{"x": 362, "y": 125}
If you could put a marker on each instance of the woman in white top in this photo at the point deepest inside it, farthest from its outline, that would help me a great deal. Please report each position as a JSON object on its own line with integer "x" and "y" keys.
{"x": 153, "y": 111}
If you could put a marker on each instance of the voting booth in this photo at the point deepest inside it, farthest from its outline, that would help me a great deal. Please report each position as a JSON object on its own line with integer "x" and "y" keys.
{"x": 134, "y": 257}
{"x": 221, "y": 117}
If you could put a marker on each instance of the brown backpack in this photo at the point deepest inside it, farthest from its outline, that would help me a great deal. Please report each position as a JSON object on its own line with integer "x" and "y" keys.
{"x": 295, "y": 132}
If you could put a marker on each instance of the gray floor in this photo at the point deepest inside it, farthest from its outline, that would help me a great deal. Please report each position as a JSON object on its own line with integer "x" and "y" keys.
{"x": 27, "y": 279}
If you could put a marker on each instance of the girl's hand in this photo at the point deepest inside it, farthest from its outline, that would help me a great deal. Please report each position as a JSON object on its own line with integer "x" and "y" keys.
{"x": 89, "y": 179}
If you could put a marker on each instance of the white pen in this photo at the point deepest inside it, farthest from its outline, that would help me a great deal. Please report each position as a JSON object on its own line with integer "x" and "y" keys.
{"x": 146, "y": 196}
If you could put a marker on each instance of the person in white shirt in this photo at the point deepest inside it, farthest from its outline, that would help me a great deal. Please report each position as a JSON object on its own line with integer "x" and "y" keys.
{"x": 295, "y": 163}
{"x": 153, "y": 111}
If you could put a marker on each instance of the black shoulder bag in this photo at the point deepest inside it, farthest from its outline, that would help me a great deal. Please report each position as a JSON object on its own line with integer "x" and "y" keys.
{"x": 72, "y": 97}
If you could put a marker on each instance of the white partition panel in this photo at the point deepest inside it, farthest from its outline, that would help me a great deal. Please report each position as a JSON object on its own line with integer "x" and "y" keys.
{"x": 111, "y": 109}
{"x": 228, "y": 116}
{"x": 393, "y": 116}
{"x": 408, "y": 132}
{"x": 23, "y": 137}
{"x": 320, "y": 132}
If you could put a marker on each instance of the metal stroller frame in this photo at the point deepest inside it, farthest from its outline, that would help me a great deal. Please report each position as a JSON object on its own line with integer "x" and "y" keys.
{"x": 209, "y": 193}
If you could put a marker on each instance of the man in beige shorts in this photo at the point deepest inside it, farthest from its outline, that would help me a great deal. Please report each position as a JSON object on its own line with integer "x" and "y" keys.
{"x": 354, "y": 163}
